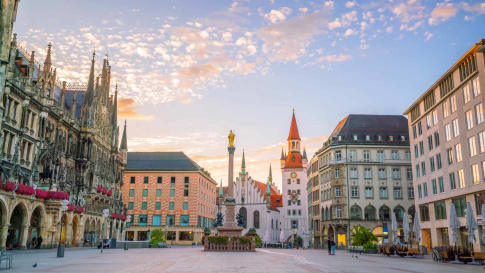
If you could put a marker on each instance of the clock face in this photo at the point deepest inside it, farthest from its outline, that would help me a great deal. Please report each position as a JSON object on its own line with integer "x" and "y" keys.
{"x": 293, "y": 175}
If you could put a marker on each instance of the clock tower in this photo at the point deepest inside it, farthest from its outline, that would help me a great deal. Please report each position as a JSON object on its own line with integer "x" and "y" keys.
{"x": 294, "y": 213}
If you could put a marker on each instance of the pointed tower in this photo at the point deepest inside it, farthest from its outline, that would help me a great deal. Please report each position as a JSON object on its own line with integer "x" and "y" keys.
{"x": 304, "y": 157}
{"x": 243, "y": 165}
{"x": 124, "y": 146}
{"x": 87, "y": 111}
{"x": 48, "y": 60}
{"x": 221, "y": 193}
{"x": 63, "y": 96}
{"x": 282, "y": 158}
{"x": 293, "y": 159}
{"x": 114, "y": 118}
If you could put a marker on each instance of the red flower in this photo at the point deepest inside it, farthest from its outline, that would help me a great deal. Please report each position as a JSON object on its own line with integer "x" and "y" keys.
{"x": 123, "y": 217}
{"x": 41, "y": 194}
{"x": 58, "y": 195}
{"x": 105, "y": 191}
{"x": 70, "y": 207}
{"x": 25, "y": 190}
{"x": 110, "y": 192}
{"x": 8, "y": 186}
{"x": 79, "y": 209}
{"x": 99, "y": 189}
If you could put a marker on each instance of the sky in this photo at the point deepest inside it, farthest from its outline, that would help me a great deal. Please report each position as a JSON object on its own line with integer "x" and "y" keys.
{"x": 189, "y": 71}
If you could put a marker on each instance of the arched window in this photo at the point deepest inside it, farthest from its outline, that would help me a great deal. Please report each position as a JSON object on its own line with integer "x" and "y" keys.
{"x": 412, "y": 211}
{"x": 327, "y": 215}
{"x": 399, "y": 211}
{"x": 355, "y": 212}
{"x": 323, "y": 214}
{"x": 384, "y": 213}
{"x": 256, "y": 219}
{"x": 370, "y": 213}
{"x": 244, "y": 215}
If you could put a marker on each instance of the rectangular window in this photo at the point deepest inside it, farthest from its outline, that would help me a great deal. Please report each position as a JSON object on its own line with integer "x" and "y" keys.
{"x": 456, "y": 128}
{"x": 172, "y": 182}
{"x": 380, "y": 155}
{"x": 145, "y": 180}
{"x": 170, "y": 220}
{"x": 448, "y": 132}
{"x": 452, "y": 181}
{"x": 366, "y": 154}
{"x": 440, "y": 210}
{"x": 421, "y": 148}
{"x": 425, "y": 189}
{"x": 338, "y": 156}
{"x": 397, "y": 193}
{"x": 410, "y": 193}
{"x": 414, "y": 132}
{"x": 481, "y": 141}
{"x": 472, "y": 146}
{"x": 453, "y": 103}
{"x": 369, "y": 192}
{"x": 438, "y": 161}
{"x": 469, "y": 119}
{"x": 130, "y": 205}
{"x": 145, "y": 192}
{"x": 420, "y": 192}
{"x": 409, "y": 172}
{"x": 171, "y": 205}
{"x": 186, "y": 186}
{"x": 476, "y": 87}
{"x": 466, "y": 93}
{"x": 450, "y": 156}
{"x": 431, "y": 164}
{"x": 434, "y": 186}
{"x": 383, "y": 192}
{"x": 337, "y": 172}
{"x": 185, "y": 205}
{"x": 458, "y": 152}
{"x": 354, "y": 191}
{"x": 483, "y": 170}
{"x": 367, "y": 173}
{"x": 424, "y": 213}
{"x": 157, "y": 220}
{"x": 429, "y": 121}
{"x": 418, "y": 171}
{"x": 435, "y": 117}
{"x": 159, "y": 180}
{"x": 479, "y": 113}
{"x": 143, "y": 205}
{"x": 131, "y": 193}
{"x": 407, "y": 155}
{"x": 159, "y": 192}
{"x": 142, "y": 220}
{"x": 337, "y": 191}
{"x": 396, "y": 173}
{"x": 476, "y": 174}
{"x": 460, "y": 206}
{"x": 461, "y": 178}
{"x": 423, "y": 168}
{"x": 158, "y": 205}
{"x": 132, "y": 180}
{"x": 184, "y": 220}
{"x": 352, "y": 155}
{"x": 446, "y": 108}
{"x": 172, "y": 192}
{"x": 441, "y": 184}
{"x": 382, "y": 173}
{"x": 353, "y": 173}
{"x": 436, "y": 139}
{"x": 430, "y": 142}
{"x": 338, "y": 212}
{"x": 420, "y": 128}
{"x": 395, "y": 155}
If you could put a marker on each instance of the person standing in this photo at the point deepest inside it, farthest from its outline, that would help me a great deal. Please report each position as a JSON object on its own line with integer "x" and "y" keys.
{"x": 333, "y": 247}
{"x": 39, "y": 241}
{"x": 33, "y": 243}
{"x": 329, "y": 246}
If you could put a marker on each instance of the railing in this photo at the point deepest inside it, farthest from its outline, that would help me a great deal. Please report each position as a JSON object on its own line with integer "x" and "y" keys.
{"x": 232, "y": 245}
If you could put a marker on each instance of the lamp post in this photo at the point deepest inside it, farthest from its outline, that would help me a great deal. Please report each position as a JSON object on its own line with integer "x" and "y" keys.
{"x": 105, "y": 215}
{"x": 128, "y": 220}
{"x": 60, "y": 246}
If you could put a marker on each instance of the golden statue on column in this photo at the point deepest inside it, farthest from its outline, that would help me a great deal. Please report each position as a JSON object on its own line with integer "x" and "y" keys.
{"x": 231, "y": 138}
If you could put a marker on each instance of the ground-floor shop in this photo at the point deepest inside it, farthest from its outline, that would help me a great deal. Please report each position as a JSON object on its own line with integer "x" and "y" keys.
{"x": 175, "y": 235}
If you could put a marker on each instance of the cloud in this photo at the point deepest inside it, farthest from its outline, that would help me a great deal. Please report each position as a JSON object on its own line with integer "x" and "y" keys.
{"x": 408, "y": 11}
{"x": 335, "y": 58}
{"x": 428, "y": 35}
{"x": 442, "y": 12}
{"x": 350, "y": 4}
{"x": 126, "y": 109}
{"x": 275, "y": 16}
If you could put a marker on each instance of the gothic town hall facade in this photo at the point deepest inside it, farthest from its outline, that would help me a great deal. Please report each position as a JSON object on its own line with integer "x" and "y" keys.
{"x": 58, "y": 142}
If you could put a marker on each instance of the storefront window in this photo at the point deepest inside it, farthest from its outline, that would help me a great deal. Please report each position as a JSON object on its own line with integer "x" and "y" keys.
{"x": 186, "y": 236}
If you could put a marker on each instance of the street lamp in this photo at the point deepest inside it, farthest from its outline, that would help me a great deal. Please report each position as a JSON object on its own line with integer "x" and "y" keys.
{"x": 105, "y": 215}
{"x": 60, "y": 246}
{"x": 128, "y": 220}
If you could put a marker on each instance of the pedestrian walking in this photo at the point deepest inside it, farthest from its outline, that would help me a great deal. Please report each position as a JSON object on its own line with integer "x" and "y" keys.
{"x": 39, "y": 241}
{"x": 329, "y": 245}
{"x": 333, "y": 247}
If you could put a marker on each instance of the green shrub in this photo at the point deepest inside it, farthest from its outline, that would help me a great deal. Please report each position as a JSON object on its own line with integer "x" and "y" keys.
{"x": 157, "y": 236}
{"x": 362, "y": 235}
{"x": 245, "y": 240}
{"x": 220, "y": 240}
{"x": 370, "y": 246}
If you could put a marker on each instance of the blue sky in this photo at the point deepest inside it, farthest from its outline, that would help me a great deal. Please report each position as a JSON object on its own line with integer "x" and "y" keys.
{"x": 188, "y": 71}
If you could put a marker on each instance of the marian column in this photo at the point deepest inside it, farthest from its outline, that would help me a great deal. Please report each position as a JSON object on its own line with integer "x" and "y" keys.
{"x": 230, "y": 228}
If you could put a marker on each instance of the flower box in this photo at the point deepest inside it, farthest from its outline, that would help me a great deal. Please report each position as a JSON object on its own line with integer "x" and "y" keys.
{"x": 109, "y": 193}
{"x": 41, "y": 194}
{"x": 58, "y": 195}
{"x": 105, "y": 191}
{"x": 70, "y": 207}
{"x": 8, "y": 186}
{"x": 79, "y": 209}
{"x": 25, "y": 190}
{"x": 99, "y": 189}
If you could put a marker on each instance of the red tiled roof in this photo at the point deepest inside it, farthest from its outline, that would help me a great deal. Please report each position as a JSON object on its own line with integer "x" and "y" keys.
{"x": 293, "y": 163}
{"x": 275, "y": 197}
{"x": 294, "y": 134}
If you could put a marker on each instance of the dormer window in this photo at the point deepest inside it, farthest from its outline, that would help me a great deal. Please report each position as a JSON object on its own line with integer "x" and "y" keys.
{"x": 367, "y": 138}
{"x": 293, "y": 159}
{"x": 379, "y": 137}
{"x": 391, "y": 138}
{"x": 339, "y": 138}
{"x": 403, "y": 138}
{"x": 355, "y": 137}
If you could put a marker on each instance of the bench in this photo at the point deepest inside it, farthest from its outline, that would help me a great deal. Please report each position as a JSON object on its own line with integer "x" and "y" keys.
{"x": 7, "y": 259}
{"x": 356, "y": 249}
{"x": 413, "y": 251}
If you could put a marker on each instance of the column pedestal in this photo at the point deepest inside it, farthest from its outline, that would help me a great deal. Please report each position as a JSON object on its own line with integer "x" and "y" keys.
{"x": 3, "y": 237}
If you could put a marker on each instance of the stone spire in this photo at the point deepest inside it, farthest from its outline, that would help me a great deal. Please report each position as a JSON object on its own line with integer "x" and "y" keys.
{"x": 270, "y": 177}
{"x": 283, "y": 157}
{"x": 304, "y": 154}
{"x": 124, "y": 144}
{"x": 74, "y": 104}
{"x": 243, "y": 164}
{"x": 294, "y": 134}
{"x": 48, "y": 58}
{"x": 89, "y": 97}
{"x": 63, "y": 95}
{"x": 114, "y": 117}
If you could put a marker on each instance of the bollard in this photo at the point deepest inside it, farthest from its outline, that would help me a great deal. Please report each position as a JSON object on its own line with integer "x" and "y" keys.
{"x": 60, "y": 251}
{"x": 126, "y": 246}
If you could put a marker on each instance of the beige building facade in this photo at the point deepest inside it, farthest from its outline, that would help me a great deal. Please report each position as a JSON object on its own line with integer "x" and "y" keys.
{"x": 364, "y": 175}
{"x": 448, "y": 145}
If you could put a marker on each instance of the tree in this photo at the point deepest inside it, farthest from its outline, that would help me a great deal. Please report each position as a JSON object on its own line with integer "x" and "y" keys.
{"x": 219, "y": 220}
{"x": 362, "y": 236}
{"x": 158, "y": 236}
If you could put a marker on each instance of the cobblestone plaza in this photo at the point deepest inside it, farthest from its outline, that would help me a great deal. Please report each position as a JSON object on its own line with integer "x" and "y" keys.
{"x": 194, "y": 259}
